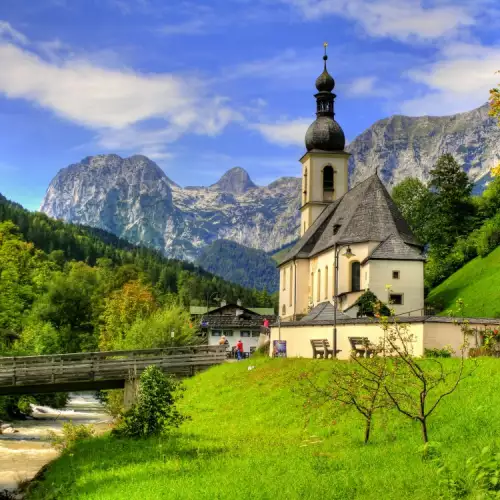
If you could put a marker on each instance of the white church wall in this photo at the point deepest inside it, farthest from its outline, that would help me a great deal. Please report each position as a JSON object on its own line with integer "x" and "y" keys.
{"x": 298, "y": 338}
{"x": 410, "y": 283}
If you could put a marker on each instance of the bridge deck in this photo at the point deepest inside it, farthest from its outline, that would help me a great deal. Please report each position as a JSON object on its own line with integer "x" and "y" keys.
{"x": 99, "y": 370}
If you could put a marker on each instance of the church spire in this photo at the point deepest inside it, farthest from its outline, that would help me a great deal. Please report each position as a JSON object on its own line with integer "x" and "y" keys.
{"x": 325, "y": 133}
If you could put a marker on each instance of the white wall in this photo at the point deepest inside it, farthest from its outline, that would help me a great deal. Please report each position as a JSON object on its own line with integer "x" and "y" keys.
{"x": 410, "y": 283}
{"x": 298, "y": 338}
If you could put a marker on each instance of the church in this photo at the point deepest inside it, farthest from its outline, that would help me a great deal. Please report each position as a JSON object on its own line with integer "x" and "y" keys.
{"x": 351, "y": 240}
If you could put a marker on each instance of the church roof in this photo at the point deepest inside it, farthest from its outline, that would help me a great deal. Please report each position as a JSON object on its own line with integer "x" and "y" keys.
{"x": 365, "y": 213}
{"x": 323, "y": 312}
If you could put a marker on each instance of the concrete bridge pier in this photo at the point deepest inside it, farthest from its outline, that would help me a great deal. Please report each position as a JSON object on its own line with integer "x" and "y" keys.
{"x": 130, "y": 392}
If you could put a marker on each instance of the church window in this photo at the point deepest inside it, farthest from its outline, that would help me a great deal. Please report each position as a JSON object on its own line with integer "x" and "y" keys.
{"x": 304, "y": 227}
{"x": 328, "y": 178}
{"x": 395, "y": 275}
{"x": 283, "y": 310}
{"x": 355, "y": 277}
{"x": 396, "y": 299}
{"x": 291, "y": 287}
{"x": 326, "y": 282}
{"x": 318, "y": 291}
{"x": 283, "y": 279}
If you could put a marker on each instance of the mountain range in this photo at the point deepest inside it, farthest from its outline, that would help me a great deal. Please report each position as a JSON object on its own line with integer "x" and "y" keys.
{"x": 134, "y": 199}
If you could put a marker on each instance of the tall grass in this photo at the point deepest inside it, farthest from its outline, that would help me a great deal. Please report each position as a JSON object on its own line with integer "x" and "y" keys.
{"x": 250, "y": 438}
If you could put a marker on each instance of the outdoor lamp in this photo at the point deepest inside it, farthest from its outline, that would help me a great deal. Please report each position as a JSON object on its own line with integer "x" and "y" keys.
{"x": 348, "y": 253}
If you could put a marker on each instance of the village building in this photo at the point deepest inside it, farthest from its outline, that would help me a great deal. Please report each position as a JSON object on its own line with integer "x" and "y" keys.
{"x": 236, "y": 322}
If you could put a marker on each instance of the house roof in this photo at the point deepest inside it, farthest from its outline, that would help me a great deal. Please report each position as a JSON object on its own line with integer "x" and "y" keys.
{"x": 323, "y": 312}
{"x": 222, "y": 321}
{"x": 200, "y": 310}
{"x": 365, "y": 213}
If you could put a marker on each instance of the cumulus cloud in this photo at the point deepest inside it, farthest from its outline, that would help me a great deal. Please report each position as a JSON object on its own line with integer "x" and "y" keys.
{"x": 458, "y": 80}
{"x": 284, "y": 133}
{"x": 400, "y": 19}
{"x": 115, "y": 102}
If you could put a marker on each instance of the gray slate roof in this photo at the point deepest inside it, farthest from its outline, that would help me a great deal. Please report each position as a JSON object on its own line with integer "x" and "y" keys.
{"x": 323, "y": 312}
{"x": 365, "y": 213}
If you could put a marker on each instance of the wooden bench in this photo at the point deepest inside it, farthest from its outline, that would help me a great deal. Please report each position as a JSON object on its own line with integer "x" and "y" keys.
{"x": 361, "y": 347}
{"x": 321, "y": 348}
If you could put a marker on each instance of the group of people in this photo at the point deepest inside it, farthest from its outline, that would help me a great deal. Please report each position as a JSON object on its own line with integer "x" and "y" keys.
{"x": 239, "y": 346}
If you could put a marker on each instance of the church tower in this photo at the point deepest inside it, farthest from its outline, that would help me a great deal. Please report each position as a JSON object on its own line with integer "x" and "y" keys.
{"x": 325, "y": 164}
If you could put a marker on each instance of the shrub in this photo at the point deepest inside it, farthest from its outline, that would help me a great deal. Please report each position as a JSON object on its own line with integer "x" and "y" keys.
{"x": 155, "y": 411}
{"x": 481, "y": 478}
{"x": 71, "y": 434}
{"x": 438, "y": 353}
{"x": 263, "y": 350}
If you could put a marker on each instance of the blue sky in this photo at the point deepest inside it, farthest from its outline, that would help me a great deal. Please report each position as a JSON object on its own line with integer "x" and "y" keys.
{"x": 200, "y": 87}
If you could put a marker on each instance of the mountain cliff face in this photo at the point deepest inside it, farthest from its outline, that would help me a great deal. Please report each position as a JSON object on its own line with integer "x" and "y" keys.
{"x": 134, "y": 199}
{"x": 403, "y": 146}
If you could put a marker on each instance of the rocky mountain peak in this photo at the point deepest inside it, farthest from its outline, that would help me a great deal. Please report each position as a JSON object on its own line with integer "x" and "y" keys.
{"x": 235, "y": 181}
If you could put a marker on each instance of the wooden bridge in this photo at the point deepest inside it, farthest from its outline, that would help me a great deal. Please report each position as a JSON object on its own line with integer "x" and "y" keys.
{"x": 99, "y": 370}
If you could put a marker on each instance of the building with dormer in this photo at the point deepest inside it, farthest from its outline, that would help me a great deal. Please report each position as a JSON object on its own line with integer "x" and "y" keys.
{"x": 362, "y": 226}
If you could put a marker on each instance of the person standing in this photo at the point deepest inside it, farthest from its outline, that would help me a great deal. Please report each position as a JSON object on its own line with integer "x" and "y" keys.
{"x": 239, "y": 350}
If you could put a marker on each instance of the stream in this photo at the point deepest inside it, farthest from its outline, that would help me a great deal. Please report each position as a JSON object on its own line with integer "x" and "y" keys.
{"x": 25, "y": 452}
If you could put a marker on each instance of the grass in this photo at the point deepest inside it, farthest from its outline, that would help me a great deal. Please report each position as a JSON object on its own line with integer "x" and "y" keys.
{"x": 477, "y": 283}
{"x": 249, "y": 438}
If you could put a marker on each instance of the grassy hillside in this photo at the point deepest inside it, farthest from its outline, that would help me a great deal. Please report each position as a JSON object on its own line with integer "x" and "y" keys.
{"x": 249, "y": 439}
{"x": 477, "y": 283}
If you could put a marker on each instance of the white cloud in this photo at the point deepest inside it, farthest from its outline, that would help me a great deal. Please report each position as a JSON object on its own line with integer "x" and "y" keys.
{"x": 118, "y": 103}
{"x": 191, "y": 27}
{"x": 285, "y": 133}
{"x": 459, "y": 80}
{"x": 400, "y": 19}
{"x": 7, "y": 32}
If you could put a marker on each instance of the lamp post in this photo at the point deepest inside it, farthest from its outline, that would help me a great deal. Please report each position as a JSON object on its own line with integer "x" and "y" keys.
{"x": 348, "y": 253}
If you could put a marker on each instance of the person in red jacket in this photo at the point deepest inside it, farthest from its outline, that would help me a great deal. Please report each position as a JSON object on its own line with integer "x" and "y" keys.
{"x": 239, "y": 349}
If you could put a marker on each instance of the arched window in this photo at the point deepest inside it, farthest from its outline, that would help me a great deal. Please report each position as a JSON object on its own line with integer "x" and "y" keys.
{"x": 318, "y": 291}
{"x": 326, "y": 282}
{"x": 328, "y": 184}
{"x": 283, "y": 310}
{"x": 291, "y": 287}
{"x": 355, "y": 277}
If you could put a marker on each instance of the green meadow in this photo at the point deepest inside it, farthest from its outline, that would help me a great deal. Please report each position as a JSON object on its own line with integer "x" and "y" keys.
{"x": 477, "y": 283}
{"x": 250, "y": 438}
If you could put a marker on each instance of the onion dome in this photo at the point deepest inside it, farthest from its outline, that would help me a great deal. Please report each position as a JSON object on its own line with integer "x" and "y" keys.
{"x": 325, "y": 134}
{"x": 325, "y": 81}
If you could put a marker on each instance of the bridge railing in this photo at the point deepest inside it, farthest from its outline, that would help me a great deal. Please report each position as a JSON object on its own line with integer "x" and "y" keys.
{"x": 137, "y": 353}
{"x": 104, "y": 366}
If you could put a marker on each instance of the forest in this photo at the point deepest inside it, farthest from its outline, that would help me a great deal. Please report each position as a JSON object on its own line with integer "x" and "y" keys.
{"x": 68, "y": 288}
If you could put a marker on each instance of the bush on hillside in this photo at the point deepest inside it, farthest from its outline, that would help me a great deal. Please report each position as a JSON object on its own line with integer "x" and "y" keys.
{"x": 71, "y": 434}
{"x": 155, "y": 411}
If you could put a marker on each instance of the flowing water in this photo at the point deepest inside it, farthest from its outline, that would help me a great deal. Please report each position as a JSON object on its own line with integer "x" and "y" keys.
{"x": 23, "y": 453}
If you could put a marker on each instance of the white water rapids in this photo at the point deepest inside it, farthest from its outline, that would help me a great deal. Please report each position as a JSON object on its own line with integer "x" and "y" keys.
{"x": 23, "y": 453}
